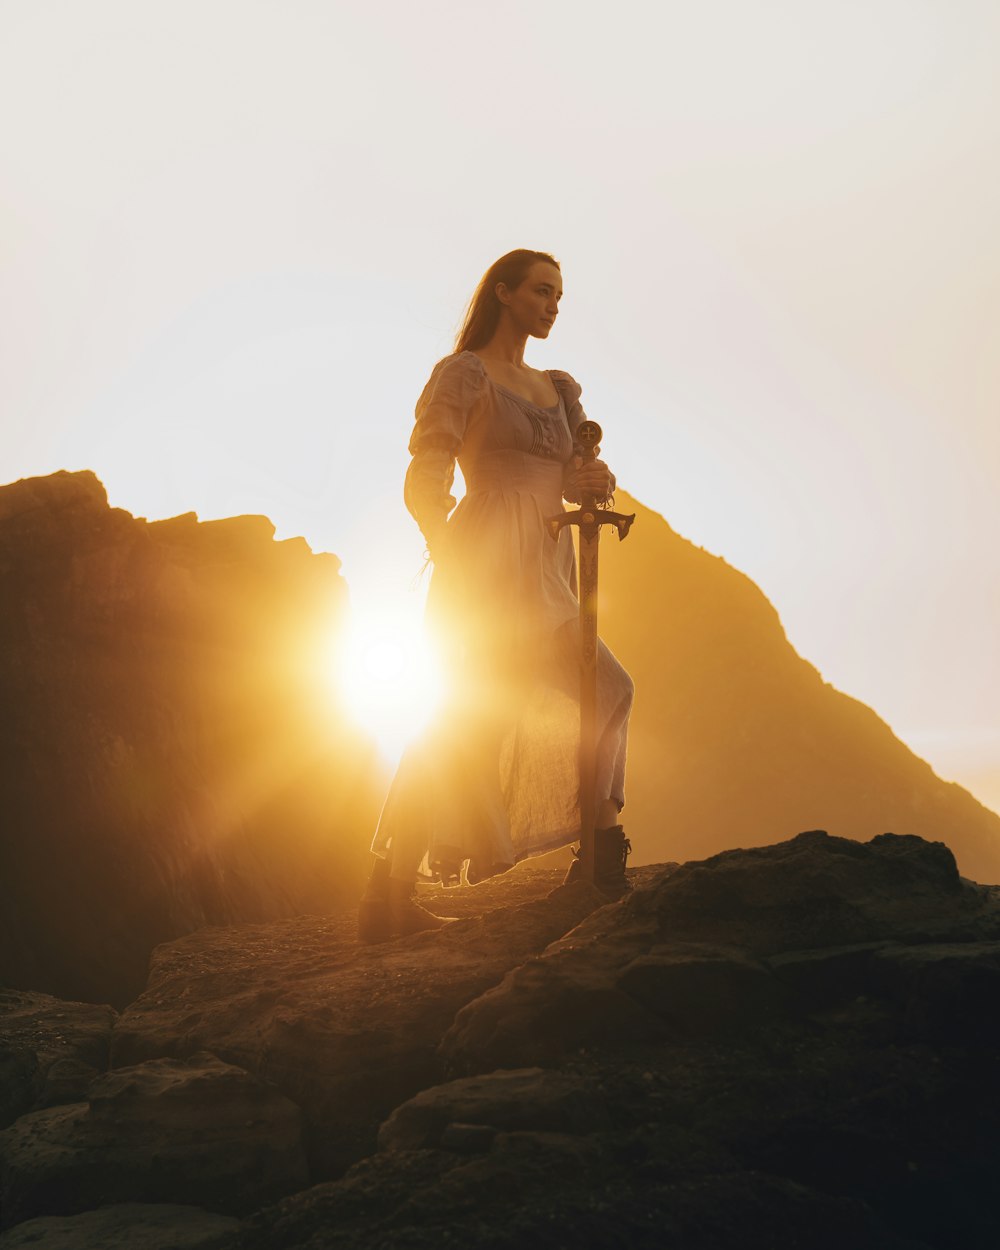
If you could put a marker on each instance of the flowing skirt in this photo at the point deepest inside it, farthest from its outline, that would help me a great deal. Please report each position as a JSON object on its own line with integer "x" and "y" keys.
{"x": 495, "y": 779}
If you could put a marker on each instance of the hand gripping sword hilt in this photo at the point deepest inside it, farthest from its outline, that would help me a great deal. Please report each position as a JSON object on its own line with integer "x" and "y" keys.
{"x": 590, "y": 516}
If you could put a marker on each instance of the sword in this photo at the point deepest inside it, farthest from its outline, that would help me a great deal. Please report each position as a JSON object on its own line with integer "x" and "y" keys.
{"x": 590, "y": 516}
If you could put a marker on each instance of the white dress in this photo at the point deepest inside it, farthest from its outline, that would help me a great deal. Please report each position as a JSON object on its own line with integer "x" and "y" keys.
{"x": 496, "y": 778}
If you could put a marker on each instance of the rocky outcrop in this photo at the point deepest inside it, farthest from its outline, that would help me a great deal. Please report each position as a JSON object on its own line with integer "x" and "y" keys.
{"x": 751, "y": 938}
{"x": 793, "y": 1045}
{"x": 708, "y": 1072}
{"x": 245, "y": 1036}
{"x": 736, "y": 738}
{"x": 50, "y": 1050}
{"x": 196, "y": 1132}
{"x": 171, "y": 752}
{"x": 135, "y": 1225}
{"x": 345, "y": 1031}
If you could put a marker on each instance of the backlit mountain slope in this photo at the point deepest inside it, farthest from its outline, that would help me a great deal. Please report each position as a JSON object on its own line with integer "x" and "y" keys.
{"x": 736, "y": 740}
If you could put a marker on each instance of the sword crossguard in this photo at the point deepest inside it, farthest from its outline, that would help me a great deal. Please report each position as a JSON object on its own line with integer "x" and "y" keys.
{"x": 590, "y": 518}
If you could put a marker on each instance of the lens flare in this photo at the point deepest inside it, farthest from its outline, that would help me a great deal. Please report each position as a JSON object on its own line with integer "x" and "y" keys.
{"x": 389, "y": 678}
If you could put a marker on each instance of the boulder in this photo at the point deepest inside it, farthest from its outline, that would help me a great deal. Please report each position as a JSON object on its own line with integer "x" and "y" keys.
{"x": 194, "y": 1131}
{"x": 526, "y": 1098}
{"x": 705, "y": 948}
{"x": 815, "y": 890}
{"x": 50, "y": 1050}
{"x": 946, "y": 992}
{"x": 702, "y": 990}
{"x": 132, "y": 1226}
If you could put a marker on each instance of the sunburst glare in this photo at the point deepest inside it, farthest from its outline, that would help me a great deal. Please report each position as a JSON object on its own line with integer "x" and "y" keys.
{"x": 389, "y": 678}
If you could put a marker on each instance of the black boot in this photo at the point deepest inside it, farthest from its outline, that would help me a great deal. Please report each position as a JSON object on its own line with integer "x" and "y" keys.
{"x": 611, "y": 850}
{"x": 389, "y": 908}
{"x": 405, "y": 913}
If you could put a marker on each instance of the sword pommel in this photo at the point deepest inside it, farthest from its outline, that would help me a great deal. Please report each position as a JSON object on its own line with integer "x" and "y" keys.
{"x": 588, "y": 435}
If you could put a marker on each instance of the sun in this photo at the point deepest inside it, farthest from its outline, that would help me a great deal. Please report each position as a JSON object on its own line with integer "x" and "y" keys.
{"x": 387, "y": 674}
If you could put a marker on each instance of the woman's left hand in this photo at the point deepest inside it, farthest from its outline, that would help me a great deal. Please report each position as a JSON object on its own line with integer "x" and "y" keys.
{"x": 592, "y": 478}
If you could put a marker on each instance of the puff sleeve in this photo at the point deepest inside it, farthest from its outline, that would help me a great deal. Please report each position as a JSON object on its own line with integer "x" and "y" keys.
{"x": 571, "y": 390}
{"x": 446, "y": 405}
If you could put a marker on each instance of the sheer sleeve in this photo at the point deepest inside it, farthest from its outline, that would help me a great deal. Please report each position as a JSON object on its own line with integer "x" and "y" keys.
{"x": 444, "y": 409}
{"x": 571, "y": 391}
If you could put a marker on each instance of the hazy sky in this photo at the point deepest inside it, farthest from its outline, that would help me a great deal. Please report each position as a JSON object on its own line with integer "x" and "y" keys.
{"x": 235, "y": 236}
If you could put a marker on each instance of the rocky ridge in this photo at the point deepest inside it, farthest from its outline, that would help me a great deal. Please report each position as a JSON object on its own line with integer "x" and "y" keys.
{"x": 169, "y": 754}
{"x": 791, "y": 1045}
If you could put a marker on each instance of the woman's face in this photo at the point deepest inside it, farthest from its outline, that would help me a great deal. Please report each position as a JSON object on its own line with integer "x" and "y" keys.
{"x": 534, "y": 305}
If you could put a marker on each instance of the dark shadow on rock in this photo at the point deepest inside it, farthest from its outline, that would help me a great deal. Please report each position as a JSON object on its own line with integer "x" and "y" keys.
{"x": 755, "y": 1093}
{"x": 196, "y": 1132}
{"x": 791, "y": 1046}
{"x": 130, "y": 1226}
{"x": 50, "y": 1050}
{"x": 705, "y": 949}
{"x": 347, "y": 1031}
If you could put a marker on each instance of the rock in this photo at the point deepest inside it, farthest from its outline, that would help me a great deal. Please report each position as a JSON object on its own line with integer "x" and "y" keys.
{"x": 694, "y": 950}
{"x": 346, "y": 1031}
{"x": 198, "y": 1131}
{"x": 132, "y": 1226}
{"x": 698, "y": 990}
{"x": 468, "y": 1139}
{"x": 528, "y": 1098}
{"x": 563, "y": 1190}
{"x": 741, "y": 1091}
{"x": 818, "y": 891}
{"x": 171, "y": 754}
{"x": 749, "y": 1092}
{"x": 50, "y": 1050}
{"x": 946, "y": 992}
{"x": 829, "y": 977}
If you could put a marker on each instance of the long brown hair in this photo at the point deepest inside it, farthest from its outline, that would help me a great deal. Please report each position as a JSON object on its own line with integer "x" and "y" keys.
{"x": 483, "y": 312}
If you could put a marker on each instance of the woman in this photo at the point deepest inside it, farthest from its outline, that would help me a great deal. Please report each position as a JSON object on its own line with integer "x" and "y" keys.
{"x": 496, "y": 779}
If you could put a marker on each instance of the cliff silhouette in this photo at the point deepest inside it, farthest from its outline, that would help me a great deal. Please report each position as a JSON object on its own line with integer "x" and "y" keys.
{"x": 736, "y": 738}
{"x": 169, "y": 756}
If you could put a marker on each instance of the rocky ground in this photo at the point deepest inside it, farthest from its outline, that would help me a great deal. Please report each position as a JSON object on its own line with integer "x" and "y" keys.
{"x": 792, "y": 1046}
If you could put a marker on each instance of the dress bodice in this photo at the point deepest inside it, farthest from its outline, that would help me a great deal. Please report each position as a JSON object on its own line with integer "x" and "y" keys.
{"x": 501, "y": 440}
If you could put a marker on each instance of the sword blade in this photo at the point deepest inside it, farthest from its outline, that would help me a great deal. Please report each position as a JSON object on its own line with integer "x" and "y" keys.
{"x": 589, "y": 547}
